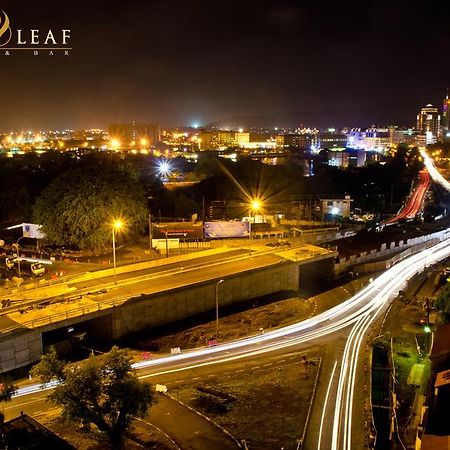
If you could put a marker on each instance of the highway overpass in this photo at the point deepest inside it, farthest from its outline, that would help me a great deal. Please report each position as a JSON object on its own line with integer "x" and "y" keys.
{"x": 149, "y": 295}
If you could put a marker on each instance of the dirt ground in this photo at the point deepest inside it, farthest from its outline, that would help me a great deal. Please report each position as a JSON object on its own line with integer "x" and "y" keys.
{"x": 267, "y": 407}
{"x": 234, "y": 326}
{"x": 140, "y": 436}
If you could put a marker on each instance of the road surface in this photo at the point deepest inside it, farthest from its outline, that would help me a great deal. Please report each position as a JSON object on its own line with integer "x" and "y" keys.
{"x": 414, "y": 204}
{"x": 349, "y": 322}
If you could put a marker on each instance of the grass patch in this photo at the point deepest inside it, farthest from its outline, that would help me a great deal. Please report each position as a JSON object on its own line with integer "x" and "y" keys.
{"x": 266, "y": 407}
{"x": 140, "y": 435}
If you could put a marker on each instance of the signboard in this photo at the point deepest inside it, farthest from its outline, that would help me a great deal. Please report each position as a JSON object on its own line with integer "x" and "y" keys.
{"x": 162, "y": 244}
{"x": 222, "y": 229}
{"x": 182, "y": 230}
{"x": 30, "y": 230}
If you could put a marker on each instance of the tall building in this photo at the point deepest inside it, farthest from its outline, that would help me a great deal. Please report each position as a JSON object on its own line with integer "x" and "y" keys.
{"x": 332, "y": 140}
{"x": 305, "y": 141}
{"x": 130, "y": 133}
{"x": 373, "y": 138}
{"x": 429, "y": 123}
{"x": 215, "y": 140}
{"x": 446, "y": 118}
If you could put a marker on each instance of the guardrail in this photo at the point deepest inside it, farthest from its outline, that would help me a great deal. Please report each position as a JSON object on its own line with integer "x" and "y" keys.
{"x": 65, "y": 315}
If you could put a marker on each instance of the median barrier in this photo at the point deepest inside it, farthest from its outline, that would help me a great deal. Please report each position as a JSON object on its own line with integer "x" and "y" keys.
{"x": 415, "y": 244}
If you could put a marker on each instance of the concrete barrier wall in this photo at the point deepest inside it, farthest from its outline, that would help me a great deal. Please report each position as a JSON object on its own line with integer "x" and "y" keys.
{"x": 159, "y": 309}
{"x": 20, "y": 350}
{"x": 386, "y": 250}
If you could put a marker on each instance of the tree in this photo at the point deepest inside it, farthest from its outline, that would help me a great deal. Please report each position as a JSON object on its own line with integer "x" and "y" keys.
{"x": 78, "y": 207}
{"x": 102, "y": 390}
{"x": 442, "y": 303}
{"x": 7, "y": 390}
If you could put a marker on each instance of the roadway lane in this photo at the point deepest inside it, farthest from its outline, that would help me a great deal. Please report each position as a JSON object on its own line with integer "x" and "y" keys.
{"x": 434, "y": 172}
{"x": 415, "y": 201}
{"x": 163, "y": 267}
{"x": 101, "y": 278}
{"x": 187, "y": 276}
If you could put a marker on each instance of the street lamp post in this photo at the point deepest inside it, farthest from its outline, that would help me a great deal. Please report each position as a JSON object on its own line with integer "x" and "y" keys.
{"x": 217, "y": 308}
{"x": 255, "y": 205}
{"x": 249, "y": 232}
{"x": 150, "y": 231}
{"x": 18, "y": 255}
{"x": 116, "y": 227}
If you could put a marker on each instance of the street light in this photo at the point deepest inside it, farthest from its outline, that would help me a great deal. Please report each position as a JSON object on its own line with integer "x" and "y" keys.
{"x": 117, "y": 226}
{"x": 255, "y": 206}
{"x": 164, "y": 168}
{"x": 217, "y": 308}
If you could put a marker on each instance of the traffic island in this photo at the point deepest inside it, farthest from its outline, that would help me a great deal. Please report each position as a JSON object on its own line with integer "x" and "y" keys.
{"x": 265, "y": 405}
{"x": 140, "y": 435}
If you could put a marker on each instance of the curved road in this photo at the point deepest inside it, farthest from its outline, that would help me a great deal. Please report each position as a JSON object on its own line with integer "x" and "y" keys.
{"x": 415, "y": 200}
{"x": 350, "y": 321}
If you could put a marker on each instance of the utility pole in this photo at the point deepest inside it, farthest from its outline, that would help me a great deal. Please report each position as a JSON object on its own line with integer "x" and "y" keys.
{"x": 427, "y": 306}
{"x": 150, "y": 231}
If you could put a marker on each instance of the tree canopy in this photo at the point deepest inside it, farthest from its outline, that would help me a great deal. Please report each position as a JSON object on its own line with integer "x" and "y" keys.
{"x": 78, "y": 207}
{"x": 102, "y": 390}
{"x": 7, "y": 390}
{"x": 442, "y": 303}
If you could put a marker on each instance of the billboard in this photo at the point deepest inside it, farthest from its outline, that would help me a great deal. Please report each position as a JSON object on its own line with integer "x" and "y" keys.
{"x": 222, "y": 229}
{"x": 29, "y": 230}
{"x": 181, "y": 230}
{"x": 162, "y": 244}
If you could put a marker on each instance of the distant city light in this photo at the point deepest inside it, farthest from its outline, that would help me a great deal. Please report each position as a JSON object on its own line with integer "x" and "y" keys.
{"x": 195, "y": 125}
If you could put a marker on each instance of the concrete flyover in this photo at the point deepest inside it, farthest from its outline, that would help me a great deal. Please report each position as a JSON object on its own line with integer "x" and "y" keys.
{"x": 162, "y": 295}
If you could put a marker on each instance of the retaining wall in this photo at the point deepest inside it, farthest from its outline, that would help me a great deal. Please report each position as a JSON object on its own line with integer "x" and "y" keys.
{"x": 386, "y": 250}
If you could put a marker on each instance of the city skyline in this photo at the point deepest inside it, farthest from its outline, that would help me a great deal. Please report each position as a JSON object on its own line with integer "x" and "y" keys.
{"x": 282, "y": 64}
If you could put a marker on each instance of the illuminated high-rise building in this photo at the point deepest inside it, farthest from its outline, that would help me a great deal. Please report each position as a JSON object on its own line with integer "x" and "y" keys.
{"x": 134, "y": 134}
{"x": 429, "y": 123}
{"x": 446, "y": 118}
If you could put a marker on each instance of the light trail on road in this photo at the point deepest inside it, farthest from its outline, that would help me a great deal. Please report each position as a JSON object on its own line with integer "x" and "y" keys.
{"x": 357, "y": 314}
{"x": 325, "y": 403}
{"x": 415, "y": 201}
{"x": 434, "y": 172}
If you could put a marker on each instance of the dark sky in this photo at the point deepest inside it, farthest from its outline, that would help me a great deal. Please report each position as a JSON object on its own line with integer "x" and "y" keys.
{"x": 177, "y": 62}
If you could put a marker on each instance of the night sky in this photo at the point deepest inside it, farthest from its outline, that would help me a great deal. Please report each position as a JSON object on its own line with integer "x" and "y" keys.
{"x": 180, "y": 62}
